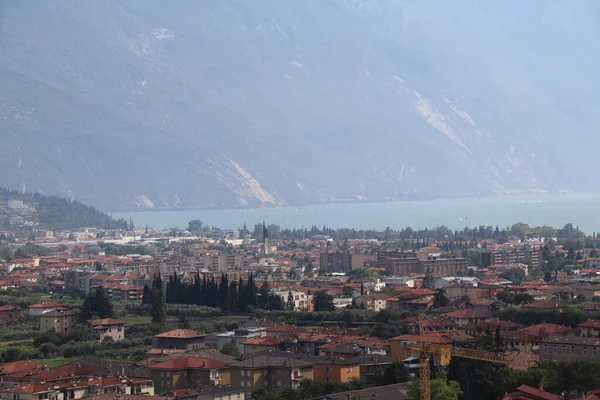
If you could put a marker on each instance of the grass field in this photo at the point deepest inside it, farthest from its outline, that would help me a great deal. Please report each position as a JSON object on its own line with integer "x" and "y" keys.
{"x": 53, "y": 362}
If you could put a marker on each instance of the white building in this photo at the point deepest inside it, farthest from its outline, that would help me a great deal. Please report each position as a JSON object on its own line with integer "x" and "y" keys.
{"x": 239, "y": 336}
{"x": 300, "y": 299}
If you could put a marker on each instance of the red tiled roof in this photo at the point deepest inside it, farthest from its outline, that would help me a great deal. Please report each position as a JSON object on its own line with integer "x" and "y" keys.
{"x": 18, "y": 366}
{"x": 181, "y": 334}
{"x": 590, "y": 323}
{"x": 10, "y": 307}
{"x": 528, "y": 392}
{"x": 188, "y": 363}
{"x": 544, "y": 329}
{"x": 432, "y": 338}
{"x": 46, "y": 304}
{"x": 544, "y": 305}
{"x": 465, "y": 314}
{"x": 106, "y": 322}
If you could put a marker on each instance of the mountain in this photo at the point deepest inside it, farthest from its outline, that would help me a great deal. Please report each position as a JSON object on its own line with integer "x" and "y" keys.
{"x": 25, "y": 210}
{"x": 163, "y": 104}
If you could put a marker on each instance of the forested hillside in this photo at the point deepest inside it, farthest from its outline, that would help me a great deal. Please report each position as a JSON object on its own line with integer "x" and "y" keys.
{"x": 50, "y": 212}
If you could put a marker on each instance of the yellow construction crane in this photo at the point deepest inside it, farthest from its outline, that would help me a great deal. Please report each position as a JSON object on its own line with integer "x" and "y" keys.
{"x": 425, "y": 350}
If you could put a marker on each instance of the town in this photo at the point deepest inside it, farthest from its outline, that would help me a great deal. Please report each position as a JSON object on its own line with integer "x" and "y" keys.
{"x": 272, "y": 313}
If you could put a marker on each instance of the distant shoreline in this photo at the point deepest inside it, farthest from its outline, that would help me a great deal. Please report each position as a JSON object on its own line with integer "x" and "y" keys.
{"x": 354, "y": 201}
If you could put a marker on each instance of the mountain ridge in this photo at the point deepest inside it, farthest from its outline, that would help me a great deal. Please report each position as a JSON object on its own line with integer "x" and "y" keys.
{"x": 156, "y": 105}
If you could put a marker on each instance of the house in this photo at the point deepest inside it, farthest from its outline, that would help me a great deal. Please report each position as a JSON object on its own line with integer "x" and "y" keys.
{"x": 100, "y": 330}
{"x": 186, "y": 339}
{"x": 374, "y": 302}
{"x": 525, "y": 392}
{"x": 521, "y": 340}
{"x": 79, "y": 389}
{"x": 188, "y": 372}
{"x": 487, "y": 306}
{"x": 466, "y": 316}
{"x": 42, "y": 308}
{"x": 481, "y": 327}
{"x": 269, "y": 373}
{"x": 588, "y": 291}
{"x": 544, "y": 305}
{"x": 10, "y": 313}
{"x": 589, "y": 328}
{"x": 544, "y": 329}
{"x": 335, "y": 369}
{"x": 62, "y": 321}
{"x": 265, "y": 343}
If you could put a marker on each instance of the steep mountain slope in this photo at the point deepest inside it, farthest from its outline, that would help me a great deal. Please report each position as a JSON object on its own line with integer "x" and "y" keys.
{"x": 183, "y": 104}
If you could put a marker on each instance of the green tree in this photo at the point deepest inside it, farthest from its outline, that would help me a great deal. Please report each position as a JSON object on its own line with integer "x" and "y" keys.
{"x": 323, "y": 301}
{"x": 428, "y": 281}
{"x": 441, "y": 389}
{"x": 158, "y": 303}
{"x": 347, "y": 291}
{"x": 395, "y": 373}
{"x": 231, "y": 349}
{"x": 195, "y": 226}
{"x": 290, "y": 304}
{"x": 96, "y": 305}
{"x": 440, "y": 299}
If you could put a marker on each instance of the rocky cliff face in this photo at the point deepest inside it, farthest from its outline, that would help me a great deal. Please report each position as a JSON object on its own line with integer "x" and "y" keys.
{"x": 160, "y": 104}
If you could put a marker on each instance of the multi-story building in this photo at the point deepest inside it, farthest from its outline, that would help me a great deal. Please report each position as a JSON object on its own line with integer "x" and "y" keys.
{"x": 269, "y": 373}
{"x": 399, "y": 263}
{"x": 301, "y": 300}
{"x": 335, "y": 369}
{"x": 179, "y": 339}
{"x": 444, "y": 266}
{"x": 10, "y": 313}
{"x": 569, "y": 348}
{"x": 335, "y": 261}
{"x": 189, "y": 372}
{"x": 100, "y": 330}
{"x": 63, "y": 321}
{"x": 513, "y": 254}
{"x": 373, "y": 302}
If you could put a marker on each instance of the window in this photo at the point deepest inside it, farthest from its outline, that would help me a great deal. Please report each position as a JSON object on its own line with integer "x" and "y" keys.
{"x": 242, "y": 383}
{"x": 279, "y": 383}
{"x": 327, "y": 369}
{"x": 585, "y": 353}
{"x": 545, "y": 349}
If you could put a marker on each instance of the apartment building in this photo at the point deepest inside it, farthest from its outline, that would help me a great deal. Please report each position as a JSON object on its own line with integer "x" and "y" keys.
{"x": 569, "y": 348}
{"x": 190, "y": 372}
{"x": 269, "y": 373}
{"x": 100, "y": 330}
{"x": 62, "y": 321}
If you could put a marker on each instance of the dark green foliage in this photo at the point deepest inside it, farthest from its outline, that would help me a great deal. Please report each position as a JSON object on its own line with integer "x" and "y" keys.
{"x": 440, "y": 299}
{"x": 52, "y": 212}
{"x": 228, "y": 296}
{"x": 96, "y": 305}
{"x": 515, "y": 275}
{"x": 395, "y": 373}
{"x": 157, "y": 302}
{"x": 31, "y": 250}
{"x": 230, "y": 349}
{"x": 323, "y": 301}
{"x": 570, "y": 316}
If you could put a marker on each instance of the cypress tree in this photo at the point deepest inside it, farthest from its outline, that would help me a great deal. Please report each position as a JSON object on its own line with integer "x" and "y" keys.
{"x": 233, "y": 296}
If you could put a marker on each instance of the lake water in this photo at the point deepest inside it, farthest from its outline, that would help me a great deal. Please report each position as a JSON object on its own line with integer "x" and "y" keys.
{"x": 556, "y": 209}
